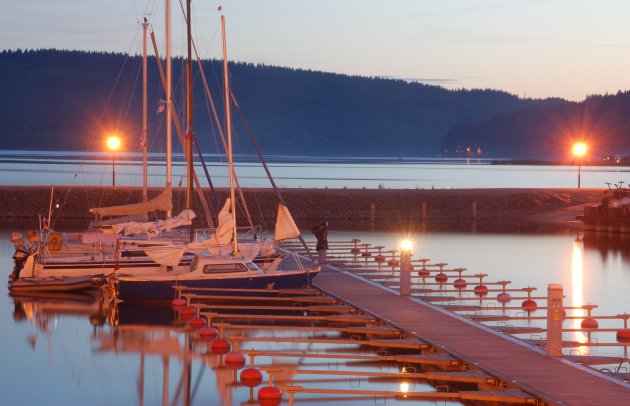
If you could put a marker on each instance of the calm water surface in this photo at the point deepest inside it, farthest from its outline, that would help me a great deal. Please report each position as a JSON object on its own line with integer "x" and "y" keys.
{"x": 66, "y": 168}
{"x": 60, "y": 352}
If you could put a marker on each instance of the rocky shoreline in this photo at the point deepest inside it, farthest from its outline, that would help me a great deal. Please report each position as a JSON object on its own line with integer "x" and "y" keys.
{"x": 340, "y": 206}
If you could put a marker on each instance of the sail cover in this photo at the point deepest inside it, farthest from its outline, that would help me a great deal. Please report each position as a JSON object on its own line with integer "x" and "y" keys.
{"x": 166, "y": 255}
{"x": 285, "y": 226}
{"x": 154, "y": 228}
{"x": 162, "y": 202}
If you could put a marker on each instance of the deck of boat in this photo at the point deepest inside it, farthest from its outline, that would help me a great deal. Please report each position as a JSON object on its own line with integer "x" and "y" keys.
{"x": 554, "y": 379}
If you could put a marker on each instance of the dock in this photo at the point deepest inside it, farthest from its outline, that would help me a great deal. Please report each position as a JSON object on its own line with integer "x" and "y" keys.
{"x": 555, "y": 380}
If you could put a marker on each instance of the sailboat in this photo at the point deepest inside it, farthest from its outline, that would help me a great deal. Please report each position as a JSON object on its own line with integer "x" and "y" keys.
{"x": 216, "y": 268}
{"x": 50, "y": 260}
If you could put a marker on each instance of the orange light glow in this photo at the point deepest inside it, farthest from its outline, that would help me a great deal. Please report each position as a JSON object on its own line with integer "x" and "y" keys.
{"x": 406, "y": 245}
{"x": 579, "y": 149}
{"x": 113, "y": 143}
{"x": 577, "y": 293}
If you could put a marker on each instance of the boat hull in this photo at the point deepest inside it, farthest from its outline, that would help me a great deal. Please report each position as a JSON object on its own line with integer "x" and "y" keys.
{"x": 138, "y": 290}
{"x": 56, "y": 284}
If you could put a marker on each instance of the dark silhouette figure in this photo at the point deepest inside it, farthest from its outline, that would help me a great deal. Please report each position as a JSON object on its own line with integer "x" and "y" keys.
{"x": 321, "y": 233}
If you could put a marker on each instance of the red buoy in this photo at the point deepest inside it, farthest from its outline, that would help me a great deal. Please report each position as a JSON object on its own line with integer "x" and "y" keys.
{"x": 393, "y": 262}
{"x": 269, "y": 396}
{"x": 460, "y": 283}
{"x": 179, "y": 302}
{"x": 589, "y": 322}
{"x": 355, "y": 250}
{"x": 187, "y": 310}
{"x": 424, "y": 272}
{"x": 197, "y": 322}
{"x": 441, "y": 277}
{"x": 529, "y": 305}
{"x": 234, "y": 360}
{"x": 366, "y": 254}
{"x": 504, "y": 297}
{"x": 251, "y": 377}
{"x": 481, "y": 290}
{"x": 220, "y": 346}
{"x": 623, "y": 336}
{"x": 208, "y": 332}
{"x": 379, "y": 258}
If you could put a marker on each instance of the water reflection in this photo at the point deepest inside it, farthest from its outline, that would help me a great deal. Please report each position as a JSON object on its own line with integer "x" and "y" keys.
{"x": 577, "y": 293}
{"x": 154, "y": 355}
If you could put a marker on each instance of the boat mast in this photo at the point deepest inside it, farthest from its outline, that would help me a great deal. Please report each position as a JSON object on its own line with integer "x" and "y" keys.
{"x": 144, "y": 110}
{"x": 169, "y": 104}
{"x": 228, "y": 131}
{"x": 188, "y": 139}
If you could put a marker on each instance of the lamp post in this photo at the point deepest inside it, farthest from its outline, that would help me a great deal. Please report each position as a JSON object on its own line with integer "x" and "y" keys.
{"x": 113, "y": 144}
{"x": 405, "y": 267}
{"x": 579, "y": 150}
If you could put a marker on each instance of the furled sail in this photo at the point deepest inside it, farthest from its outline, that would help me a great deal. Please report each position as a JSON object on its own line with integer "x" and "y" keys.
{"x": 154, "y": 228}
{"x": 162, "y": 202}
{"x": 219, "y": 242}
{"x": 285, "y": 226}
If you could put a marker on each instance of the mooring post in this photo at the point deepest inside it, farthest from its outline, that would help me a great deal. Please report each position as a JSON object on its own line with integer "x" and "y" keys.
{"x": 405, "y": 272}
{"x": 474, "y": 210}
{"x": 424, "y": 211}
{"x": 554, "y": 320}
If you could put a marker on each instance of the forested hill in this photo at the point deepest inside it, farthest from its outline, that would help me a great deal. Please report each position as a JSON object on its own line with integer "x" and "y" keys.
{"x": 547, "y": 132}
{"x": 67, "y": 100}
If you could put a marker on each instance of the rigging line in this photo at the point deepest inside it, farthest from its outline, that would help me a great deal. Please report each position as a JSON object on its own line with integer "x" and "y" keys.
{"x": 180, "y": 135}
{"x": 220, "y": 130}
{"x": 264, "y": 164}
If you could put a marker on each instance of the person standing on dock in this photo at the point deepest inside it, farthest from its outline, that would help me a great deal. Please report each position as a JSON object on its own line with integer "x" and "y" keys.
{"x": 321, "y": 233}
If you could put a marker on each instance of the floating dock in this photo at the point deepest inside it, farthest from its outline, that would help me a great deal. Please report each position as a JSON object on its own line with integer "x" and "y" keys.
{"x": 554, "y": 380}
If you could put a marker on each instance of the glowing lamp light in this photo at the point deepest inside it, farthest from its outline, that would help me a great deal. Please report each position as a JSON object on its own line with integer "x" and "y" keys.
{"x": 406, "y": 245}
{"x": 404, "y": 387}
{"x": 579, "y": 149}
{"x": 113, "y": 143}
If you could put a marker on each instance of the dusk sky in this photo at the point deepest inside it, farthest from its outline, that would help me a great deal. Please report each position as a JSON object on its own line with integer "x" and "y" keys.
{"x": 532, "y": 48}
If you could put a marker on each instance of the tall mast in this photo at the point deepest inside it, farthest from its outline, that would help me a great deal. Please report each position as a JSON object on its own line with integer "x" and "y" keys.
{"x": 169, "y": 104}
{"x": 144, "y": 110}
{"x": 189, "y": 116}
{"x": 228, "y": 131}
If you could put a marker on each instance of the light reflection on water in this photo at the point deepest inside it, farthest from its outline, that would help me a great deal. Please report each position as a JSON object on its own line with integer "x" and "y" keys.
{"x": 577, "y": 291}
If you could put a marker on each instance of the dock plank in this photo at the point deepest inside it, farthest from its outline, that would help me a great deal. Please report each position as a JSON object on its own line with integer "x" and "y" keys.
{"x": 534, "y": 372}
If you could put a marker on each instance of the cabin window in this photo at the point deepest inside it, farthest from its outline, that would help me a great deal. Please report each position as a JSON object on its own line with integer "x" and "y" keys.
{"x": 224, "y": 268}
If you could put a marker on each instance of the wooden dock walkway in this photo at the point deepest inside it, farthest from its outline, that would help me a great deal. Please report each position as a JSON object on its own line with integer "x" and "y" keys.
{"x": 555, "y": 380}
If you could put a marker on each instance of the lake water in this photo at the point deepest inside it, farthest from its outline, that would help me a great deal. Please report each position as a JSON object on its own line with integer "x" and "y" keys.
{"x": 66, "y": 352}
{"x": 67, "y": 168}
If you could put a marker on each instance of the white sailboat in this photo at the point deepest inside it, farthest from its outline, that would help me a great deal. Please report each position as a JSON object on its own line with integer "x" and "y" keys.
{"x": 125, "y": 242}
{"x": 217, "y": 268}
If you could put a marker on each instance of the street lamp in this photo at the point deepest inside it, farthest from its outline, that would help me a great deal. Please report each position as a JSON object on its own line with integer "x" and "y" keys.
{"x": 113, "y": 144}
{"x": 405, "y": 267}
{"x": 579, "y": 150}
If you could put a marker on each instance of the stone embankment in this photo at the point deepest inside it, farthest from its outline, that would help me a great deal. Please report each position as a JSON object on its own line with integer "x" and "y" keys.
{"x": 339, "y": 206}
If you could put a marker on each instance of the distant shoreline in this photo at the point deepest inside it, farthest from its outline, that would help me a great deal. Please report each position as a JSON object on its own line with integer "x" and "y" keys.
{"x": 382, "y": 208}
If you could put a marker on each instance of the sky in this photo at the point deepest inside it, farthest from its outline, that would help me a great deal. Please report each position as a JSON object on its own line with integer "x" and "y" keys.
{"x": 531, "y": 48}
